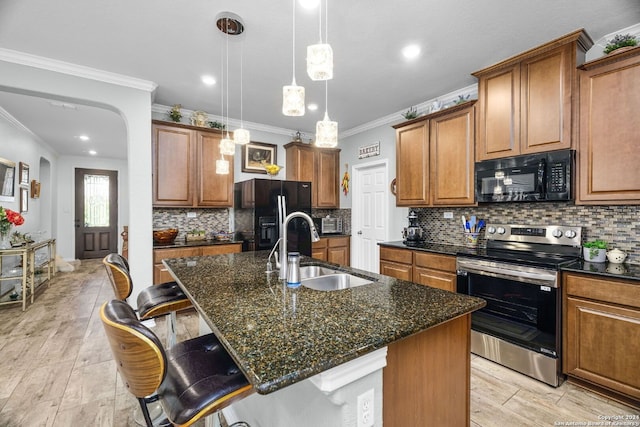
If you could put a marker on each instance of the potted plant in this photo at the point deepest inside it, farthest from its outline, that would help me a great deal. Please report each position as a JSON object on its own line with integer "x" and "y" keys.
{"x": 411, "y": 113}
{"x": 620, "y": 41}
{"x": 175, "y": 114}
{"x": 594, "y": 250}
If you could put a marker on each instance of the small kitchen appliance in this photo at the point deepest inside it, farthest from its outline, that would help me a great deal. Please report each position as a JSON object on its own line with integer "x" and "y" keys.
{"x": 518, "y": 274}
{"x": 330, "y": 225}
{"x": 413, "y": 234}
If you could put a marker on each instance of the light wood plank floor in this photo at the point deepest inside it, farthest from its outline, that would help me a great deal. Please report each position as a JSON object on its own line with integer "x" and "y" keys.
{"x": 56, "y": 369}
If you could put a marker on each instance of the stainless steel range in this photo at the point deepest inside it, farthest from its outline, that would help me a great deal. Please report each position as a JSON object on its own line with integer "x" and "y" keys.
{"x": 518, "y": 275}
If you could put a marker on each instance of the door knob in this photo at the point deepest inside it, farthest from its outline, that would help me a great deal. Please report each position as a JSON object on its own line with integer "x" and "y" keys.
{"x": 360, "y": 232}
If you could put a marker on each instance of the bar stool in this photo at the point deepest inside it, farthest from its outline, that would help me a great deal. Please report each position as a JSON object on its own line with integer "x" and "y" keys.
{"x": 153, "y": 301}
{"x": 193, "y": 379}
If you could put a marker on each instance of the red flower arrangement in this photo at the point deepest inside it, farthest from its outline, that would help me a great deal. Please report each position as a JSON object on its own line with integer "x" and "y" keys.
{"x": 9, "y": 218}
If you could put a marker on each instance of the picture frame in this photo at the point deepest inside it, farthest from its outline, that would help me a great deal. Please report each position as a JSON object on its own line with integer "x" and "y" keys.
{"x": 7, "y": 180}
{"x": 24, "y": 174}
{"x": 35, "y": 189}
{"x": 254, "y": 153}
{"x": 24, "y": 199}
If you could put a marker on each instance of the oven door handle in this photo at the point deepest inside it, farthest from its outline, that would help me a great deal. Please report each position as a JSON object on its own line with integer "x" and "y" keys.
{"x": 549, "y": 279}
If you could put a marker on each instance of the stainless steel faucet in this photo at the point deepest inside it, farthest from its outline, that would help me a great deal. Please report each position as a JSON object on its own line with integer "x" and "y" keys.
{"x": 283, "y": 238}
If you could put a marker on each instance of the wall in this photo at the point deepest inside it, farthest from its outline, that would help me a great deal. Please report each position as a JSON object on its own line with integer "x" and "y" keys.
{"x": 19, "y": 145}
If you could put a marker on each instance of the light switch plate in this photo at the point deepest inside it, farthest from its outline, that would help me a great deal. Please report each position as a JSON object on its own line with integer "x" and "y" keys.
{"x": 191, "y": 214}
{"x": 448, "y": 215}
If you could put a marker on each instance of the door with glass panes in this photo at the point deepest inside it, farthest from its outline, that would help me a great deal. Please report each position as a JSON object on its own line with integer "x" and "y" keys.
{"x": 96, "y": 212}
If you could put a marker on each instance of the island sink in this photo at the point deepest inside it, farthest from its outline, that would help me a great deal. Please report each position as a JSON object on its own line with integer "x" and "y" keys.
{"x": 325, "y": 279}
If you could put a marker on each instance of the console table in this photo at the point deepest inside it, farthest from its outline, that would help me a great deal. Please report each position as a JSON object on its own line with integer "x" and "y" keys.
{"x": 26, "y": 268}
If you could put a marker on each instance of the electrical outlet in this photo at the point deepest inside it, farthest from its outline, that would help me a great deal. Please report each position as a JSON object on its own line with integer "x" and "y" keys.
{"x": 448, "y": 215}
{"x": 365, "y": 409}
{"x": 191, "y": 214}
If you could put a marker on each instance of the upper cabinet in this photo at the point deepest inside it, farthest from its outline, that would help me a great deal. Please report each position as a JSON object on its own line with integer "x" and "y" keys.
{"x": 525, "y": 103}
{"x": 320, "y": 166}
{"x": 435, "y": 158}
{"x": 184, "y": 167}
{"x": 608, "y": 154}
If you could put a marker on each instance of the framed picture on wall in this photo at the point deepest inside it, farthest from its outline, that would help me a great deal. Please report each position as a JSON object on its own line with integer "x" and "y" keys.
{"x": 24, "y": 199}
{"x": 7, "y": 180}
{"x": 254, "y": 153}
{"x": 24, "y": 174}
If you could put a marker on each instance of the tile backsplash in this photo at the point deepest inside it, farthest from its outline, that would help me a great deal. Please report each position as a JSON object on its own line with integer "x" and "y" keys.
{"x": 205, "y": 219}
{"x": 619, "y": 226}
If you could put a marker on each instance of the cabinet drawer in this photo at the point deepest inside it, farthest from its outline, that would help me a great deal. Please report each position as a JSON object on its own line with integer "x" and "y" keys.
{"x": 394, "y": 269}
{"x": 398, "y": 255}
{"x": 322, "y": 244}
{"x": 435, "y": 278}
{"x": 222, "y": 249}
{"x": 435, "y": 261}
{"x": 606, "y": 290}
{"x": 160, "y": 254}
{"x": 161, "y": 275}
{"x": 335, "y": 242}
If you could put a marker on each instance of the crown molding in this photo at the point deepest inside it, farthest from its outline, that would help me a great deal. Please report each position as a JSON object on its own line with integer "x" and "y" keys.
{"x": 13, "y": 56}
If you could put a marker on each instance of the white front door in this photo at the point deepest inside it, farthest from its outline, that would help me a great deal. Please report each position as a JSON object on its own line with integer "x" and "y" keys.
{"x": 370, "y": 214}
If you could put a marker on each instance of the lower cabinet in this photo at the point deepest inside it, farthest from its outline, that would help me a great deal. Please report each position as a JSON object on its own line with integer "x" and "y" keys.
{"x": 332, "y": 249}
{"x": 601, "y": 336}
{"x": 160, "y": 273}
{"x": 425, "y": 268}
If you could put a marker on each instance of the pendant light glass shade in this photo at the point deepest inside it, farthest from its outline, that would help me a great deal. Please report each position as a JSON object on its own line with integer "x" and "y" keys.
{"x": 320, "y": 61}
{"x": 241, "y": 136}
{"x": 326, "y": 133}
{"x": 227, "y": 147}
{"x": 293, "y": 100}
{"x": 222, "y": 167}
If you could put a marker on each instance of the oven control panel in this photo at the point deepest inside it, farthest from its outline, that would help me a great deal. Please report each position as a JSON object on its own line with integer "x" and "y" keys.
{"x": 548, "y": 234}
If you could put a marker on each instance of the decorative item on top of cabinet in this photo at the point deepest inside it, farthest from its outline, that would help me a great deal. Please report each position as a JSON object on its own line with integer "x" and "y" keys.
{"x": 183, "y": 170}
{"x": 320, "y": 166}
{"x": 608, "y": 155}
{"x": 435, "y": 158}
{"x": 601, "y": 335}
{"x": 525, "y": 103}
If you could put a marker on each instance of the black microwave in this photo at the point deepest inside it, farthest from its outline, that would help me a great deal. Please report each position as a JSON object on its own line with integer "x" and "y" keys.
{"x": 529, "y": 178}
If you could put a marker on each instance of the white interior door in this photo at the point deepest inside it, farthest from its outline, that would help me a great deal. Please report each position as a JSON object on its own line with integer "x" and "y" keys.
{"x": 370, "y": 214}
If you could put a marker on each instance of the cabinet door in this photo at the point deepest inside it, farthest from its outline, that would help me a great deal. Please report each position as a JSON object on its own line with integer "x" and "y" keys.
{"x": 452, "y": 145}
{"x": 327, "y": 179}
{"x": 435, "y": 278}
{"x": 213, "y": 189}
{"x": 173, "y": 166}
{"x": 499, "y": 114}
{"x": 412, "y": 164}
{"x": 394, "y": 269}
{"x": 338, "y": 250}
{"x": 608, "y": 146}
{"x": 222, "y": 249}
{"x": 602, "y": 345}
{"x": 319, "y": 249}
{"x": 301, "y": 166}
{"x": 546, "y": 86}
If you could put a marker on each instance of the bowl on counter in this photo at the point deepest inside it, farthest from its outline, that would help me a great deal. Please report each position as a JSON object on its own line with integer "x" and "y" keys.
{"x": 222, "y": 236}
{"x": 165, "y": 235}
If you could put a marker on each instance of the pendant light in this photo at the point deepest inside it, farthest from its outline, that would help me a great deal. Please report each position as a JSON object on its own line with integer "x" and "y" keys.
{"x": 241, "y": 136}
{"x": 226, "y": 144}
{"x": 326, "y": 130}
{"x": 320, "y": 56}
{"x": 293, "y": 95}
{"x": 222, "y": 166}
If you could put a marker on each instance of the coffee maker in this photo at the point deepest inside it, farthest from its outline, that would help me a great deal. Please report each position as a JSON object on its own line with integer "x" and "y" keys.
{"x": 413, "y": 233}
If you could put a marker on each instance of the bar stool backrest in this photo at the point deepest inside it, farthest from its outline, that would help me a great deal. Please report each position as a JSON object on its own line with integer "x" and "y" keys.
{"x": 118, "y": 272}
{"x": 138, "y": 352}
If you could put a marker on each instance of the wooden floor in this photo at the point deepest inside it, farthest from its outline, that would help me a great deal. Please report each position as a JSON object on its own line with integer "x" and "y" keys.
{"x": 56, "y": 369}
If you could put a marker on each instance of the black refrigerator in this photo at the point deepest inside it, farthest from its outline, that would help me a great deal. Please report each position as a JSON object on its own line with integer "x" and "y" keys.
{"x": 256, "y": 214}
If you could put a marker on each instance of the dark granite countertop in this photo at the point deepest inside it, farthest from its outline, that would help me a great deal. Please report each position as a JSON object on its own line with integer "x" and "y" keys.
{"x": 279, "y": 336}
{"x": 605, "y": 269}
{"x": 176, "y": 244}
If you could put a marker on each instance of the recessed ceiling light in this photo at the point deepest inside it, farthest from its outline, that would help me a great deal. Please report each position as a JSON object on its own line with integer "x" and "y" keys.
{"x": 309, "y": 4}
{"x": 93, "y": 152}
{"x": 83, "y": 138}
{"x": 208, "y": 80}
{"x": 312, "y": 107}
{"x": 411, "y": 51}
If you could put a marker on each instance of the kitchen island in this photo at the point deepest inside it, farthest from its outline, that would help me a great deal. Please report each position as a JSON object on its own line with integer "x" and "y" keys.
{"x": 280, "y": 337}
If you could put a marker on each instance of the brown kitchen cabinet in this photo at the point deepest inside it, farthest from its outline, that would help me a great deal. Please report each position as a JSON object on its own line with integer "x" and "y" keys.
{"x": 608, "y": 155}
{"x": 435, "y": 158}
{"x": 184, "y": 167}
{"x": 320, "y": 166}
{"x": 526, "y": 103}
{"x": 435, "y": 270}
{"x": 601, "y": 337}
{"x": 396, "y": 263}
{"x": 160, "y": 273}
{"x": 334, "y": 249}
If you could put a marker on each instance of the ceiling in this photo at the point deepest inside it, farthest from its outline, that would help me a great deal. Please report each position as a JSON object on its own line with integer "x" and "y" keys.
{"x": 174, "y": 43}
